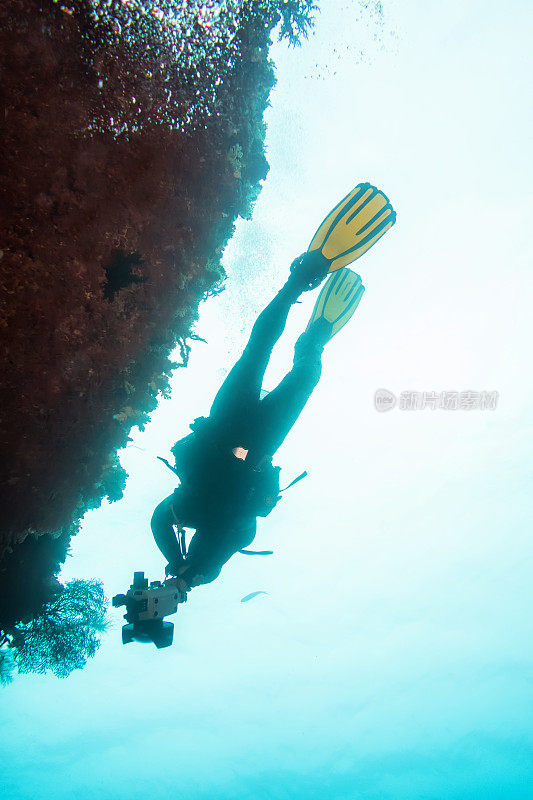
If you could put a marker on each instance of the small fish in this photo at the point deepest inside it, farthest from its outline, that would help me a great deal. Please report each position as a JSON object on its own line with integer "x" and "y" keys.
{"x": 251, "y": 596}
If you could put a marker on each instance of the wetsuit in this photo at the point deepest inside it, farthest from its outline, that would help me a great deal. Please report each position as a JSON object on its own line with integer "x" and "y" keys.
{"x": 214, "y": 493}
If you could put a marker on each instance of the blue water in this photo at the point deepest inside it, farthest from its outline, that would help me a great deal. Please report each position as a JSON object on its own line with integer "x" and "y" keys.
{"x": 391, "y": 657}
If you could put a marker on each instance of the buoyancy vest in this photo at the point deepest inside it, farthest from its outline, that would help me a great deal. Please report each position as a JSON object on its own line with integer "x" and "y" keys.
{"x": 218, "y": 486}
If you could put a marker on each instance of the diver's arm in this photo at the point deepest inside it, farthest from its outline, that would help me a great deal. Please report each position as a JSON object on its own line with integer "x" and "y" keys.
{"x": 164, "y": 535}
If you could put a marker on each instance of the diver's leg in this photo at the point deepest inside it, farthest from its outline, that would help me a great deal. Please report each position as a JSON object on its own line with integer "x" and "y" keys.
{"x": 240, "y": 392}
{"x": 280, "y": 409}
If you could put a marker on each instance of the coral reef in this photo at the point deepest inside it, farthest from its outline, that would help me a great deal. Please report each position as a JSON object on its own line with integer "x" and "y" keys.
{"x": 127, "y": 154}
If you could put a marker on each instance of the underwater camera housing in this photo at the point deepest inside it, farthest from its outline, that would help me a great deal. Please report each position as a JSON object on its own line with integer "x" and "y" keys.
{"x": 146, "y": 607}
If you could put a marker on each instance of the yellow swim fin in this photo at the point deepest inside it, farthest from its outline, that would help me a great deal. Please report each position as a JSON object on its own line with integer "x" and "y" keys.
{"x": 353, "y": 226}
{"x": 340, "y": 296}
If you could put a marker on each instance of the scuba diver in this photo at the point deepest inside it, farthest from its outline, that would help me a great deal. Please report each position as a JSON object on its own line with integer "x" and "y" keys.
{"x": 225, "y": 468}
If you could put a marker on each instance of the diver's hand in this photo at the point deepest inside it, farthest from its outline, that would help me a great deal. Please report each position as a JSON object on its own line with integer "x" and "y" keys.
{"x": 181, "y": 584}
{"x": 172, "y": 567}
{"x": 182, "y": 587}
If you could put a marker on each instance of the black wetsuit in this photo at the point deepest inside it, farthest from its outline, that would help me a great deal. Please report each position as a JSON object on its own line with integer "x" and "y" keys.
{"x": 214, "y": 495}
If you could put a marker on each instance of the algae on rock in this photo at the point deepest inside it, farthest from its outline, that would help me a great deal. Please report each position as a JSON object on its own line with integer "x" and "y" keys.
{"x": 117, "y": 199}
